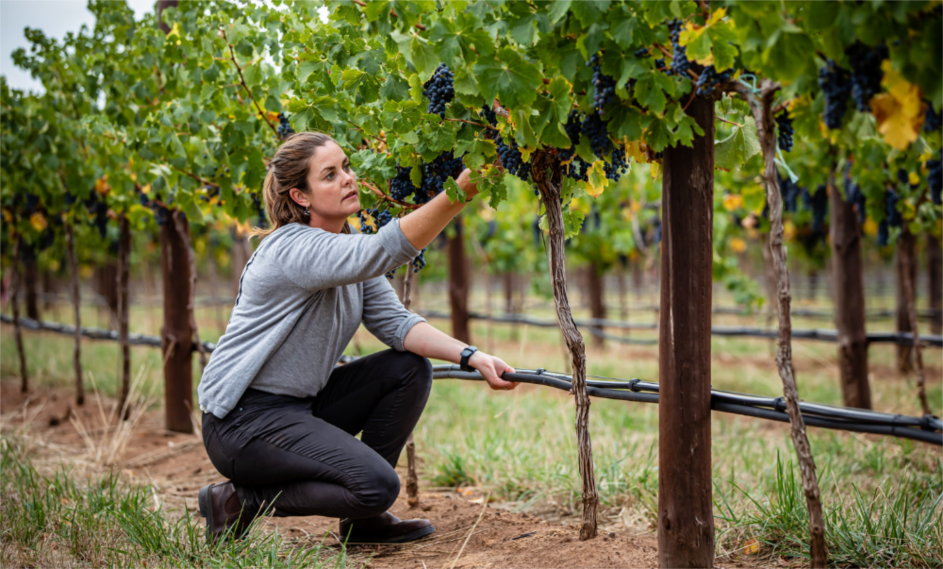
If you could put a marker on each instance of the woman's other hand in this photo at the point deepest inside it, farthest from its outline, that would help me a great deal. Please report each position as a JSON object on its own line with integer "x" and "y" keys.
{"x": 491, "y": 368}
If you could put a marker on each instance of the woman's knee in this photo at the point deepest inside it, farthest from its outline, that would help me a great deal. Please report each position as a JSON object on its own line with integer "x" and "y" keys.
{"x": 379, "y": 493}
{"x": 418, "y": 369}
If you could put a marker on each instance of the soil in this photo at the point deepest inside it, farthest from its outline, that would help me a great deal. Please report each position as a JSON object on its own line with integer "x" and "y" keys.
{"x": 468, "y": 532}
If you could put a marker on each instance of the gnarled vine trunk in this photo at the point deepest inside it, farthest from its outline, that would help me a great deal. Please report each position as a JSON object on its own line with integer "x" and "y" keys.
{"x": 74, "y": 282}
{"x": 848, "y": 280}
{"x": 124, "y": 266}
{"x": 548, "y": 178}
{"x": 685, "y": 507}
{"x": 30, "y": 281}
{"x": 761, "y": 107}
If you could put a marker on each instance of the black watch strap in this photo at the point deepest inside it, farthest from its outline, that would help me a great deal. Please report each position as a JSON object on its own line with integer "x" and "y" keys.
{"x": 467, "y": 353}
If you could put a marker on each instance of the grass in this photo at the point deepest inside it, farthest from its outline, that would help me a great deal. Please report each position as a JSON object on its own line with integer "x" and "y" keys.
{"x": 55, "y": 520}
{"x": 882, "y": 496}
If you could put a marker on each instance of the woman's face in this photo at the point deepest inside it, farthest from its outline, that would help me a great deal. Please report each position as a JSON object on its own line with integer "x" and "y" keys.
{"x": 332, "y": 184}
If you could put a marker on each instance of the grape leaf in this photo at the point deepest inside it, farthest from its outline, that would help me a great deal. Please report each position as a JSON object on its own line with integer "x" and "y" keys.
{"x": 731, "y": 152}
{"x": 509, "y": 78}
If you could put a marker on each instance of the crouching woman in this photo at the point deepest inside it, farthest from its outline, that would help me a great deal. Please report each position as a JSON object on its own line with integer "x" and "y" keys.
{"x": 279, "y": 419}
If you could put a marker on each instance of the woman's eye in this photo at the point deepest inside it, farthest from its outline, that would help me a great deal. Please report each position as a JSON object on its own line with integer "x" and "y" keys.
{"x": 330, "y": 176}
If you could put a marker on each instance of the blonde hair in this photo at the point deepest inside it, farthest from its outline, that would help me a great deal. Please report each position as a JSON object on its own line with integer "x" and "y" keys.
{"x": 289, "y": 169}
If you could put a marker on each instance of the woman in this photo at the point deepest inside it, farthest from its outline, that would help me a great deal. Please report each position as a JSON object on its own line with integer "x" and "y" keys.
{"x": 279, "y": 419}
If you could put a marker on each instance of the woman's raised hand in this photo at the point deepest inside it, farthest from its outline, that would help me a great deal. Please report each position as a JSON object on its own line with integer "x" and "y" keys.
{"x": 464, "y": 182}
{"x": 492, "y": 368}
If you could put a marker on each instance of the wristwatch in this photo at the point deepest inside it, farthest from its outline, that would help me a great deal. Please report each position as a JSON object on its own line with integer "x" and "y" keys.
{"x": 467, "y": 353}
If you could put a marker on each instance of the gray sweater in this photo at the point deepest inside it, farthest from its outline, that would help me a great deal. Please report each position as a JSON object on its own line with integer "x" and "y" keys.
{"x": 303, "y": 294}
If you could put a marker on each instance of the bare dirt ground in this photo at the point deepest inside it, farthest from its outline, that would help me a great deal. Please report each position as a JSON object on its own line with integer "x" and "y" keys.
{"x": 469, "y": 532}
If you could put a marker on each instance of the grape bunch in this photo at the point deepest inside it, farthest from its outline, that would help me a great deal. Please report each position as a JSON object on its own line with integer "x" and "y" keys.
{"x": 818, "y": 203}
{"x": 660, "y": 63}
{"x": 784, "y": 131}
{"x": 605, "y": 86}
{"x": 260, "y": 211}
{"x": 642, "y": 52}
{"x": 931, "y": 119}
{"x": 435, "y": 173}
{"x": 511, "y": 157}
{"x": 439, "y": 90}
{"x": 853, "y": 195}
{"x": 381, "y": 218}
{"x": 679, "y": 59}
{"x": 892, "y": 215}
{"x": 595, "y": 128}
{"x": 284, "y": 127}
{"x": 866, "y": 73}
{"x": 709, "y": 78}
{"x": 834, "y": 82}
{"x": 617, "y": 165}
{"x": 935, "y": 178}
{"x": 790, "y": 192}
{"x": 572, "y": 129}
{"x": 401, "y": 187}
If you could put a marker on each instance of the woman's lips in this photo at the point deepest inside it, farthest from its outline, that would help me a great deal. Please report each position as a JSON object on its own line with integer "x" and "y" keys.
{"x": 352, "y": 195}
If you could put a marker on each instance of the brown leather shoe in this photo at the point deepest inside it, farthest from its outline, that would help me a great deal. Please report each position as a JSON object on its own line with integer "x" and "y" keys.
{"x": 385, "y": 528}
{"x": 219, "y": 504}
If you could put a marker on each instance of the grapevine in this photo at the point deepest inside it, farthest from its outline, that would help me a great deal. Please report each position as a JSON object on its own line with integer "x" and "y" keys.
{"x": 284, "y": 127}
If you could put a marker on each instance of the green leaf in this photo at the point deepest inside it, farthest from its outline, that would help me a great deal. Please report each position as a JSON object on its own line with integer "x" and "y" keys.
{"x": 422, "y": 57}
{"x": 374, "y": 8}
{"x": 454, "y": 192}
{"x": 252, "y": 74}
{"x": 821, "y": 15}
{"x": 737, "y": 148}
{"x": 573, "y": 222}
{"x": 524, "y": 31}
{"x": 509, "y": 77}
{"x": 623, "y": 32}
{"x": 558, "y": 10}
{"x": 588, "y": 12}
{"x": 650, "y": 94}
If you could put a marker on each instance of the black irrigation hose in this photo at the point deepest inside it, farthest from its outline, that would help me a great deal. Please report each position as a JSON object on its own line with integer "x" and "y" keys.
{"x": 925, "y": 429}
{"x": 592, "y": 325}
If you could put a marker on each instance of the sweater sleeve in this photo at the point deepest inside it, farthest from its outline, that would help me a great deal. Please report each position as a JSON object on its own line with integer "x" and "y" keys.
{"x": 315, "y": 259}
{"x": 384, "y": 315}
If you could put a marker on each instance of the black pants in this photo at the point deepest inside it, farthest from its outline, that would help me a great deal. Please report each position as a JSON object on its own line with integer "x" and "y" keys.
{"x": 303, "y": 451}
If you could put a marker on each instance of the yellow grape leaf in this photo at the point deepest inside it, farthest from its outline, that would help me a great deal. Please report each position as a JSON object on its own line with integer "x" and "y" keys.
{"x": 38, "y": 221}
{"x": 732, "y": 202}
{"x": 101, "y": 185}
{"x": 899, "y": 112}
{"x": 870, "y": 228}
{"x": 597, "y": 179}
{"x": 146, "y": 189}
{"x": 7, "y": 216}
{"x": 717, "y": 16}
{"x": 913, "y": 178}
{"x": 656, "y": 170}
{"x": 634, "y": 150}
{"x": 789, "y": 230}
{"x": 526, "y": 152}
{"x": 738, "y": 245}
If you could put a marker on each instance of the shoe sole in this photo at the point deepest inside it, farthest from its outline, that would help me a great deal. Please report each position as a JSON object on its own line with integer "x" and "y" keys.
{"x": 206, "y": 510}
{"x": 412, "y": 536}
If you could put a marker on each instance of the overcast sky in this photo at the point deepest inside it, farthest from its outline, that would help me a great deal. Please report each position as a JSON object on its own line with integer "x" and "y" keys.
{"x": 54, "y": 17}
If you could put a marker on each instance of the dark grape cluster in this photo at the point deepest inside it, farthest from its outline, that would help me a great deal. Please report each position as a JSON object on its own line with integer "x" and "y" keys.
{"x": 262, "y": 222}
{"x": 439, "y": 90}
{"x": 709, "y": 79}
{"x": 435, "y": 173}
{"x": 401, "y": 187}
{"x": 642, "y": 52}
{"x": 660, "y": 63}
{"x": 818, "y": 203}
{"x": 381, "y": 218}
{"x": 605, "y": 86}
{"x": 935, "y": 178}
{"x": 284, "y": 127}
{"x": 893, "y": 216}
{"x": 855, "y": 196}
{"x": 594, "y": 127}
{"x": 617, "y": 165}
{"x": 511, "y": 157}
{"x": 836, "y": 85}
{"x": 790, "y": 192}
{"x": 931, "y": 119}
{"x": 866, "y": 72}
{"x": 572, "y": 128}
{"x": 679, "y": 59}
{"x": 784, "y": 130}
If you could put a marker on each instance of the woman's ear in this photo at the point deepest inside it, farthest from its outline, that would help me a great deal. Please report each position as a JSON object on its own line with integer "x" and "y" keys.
{"x": 298, "y": 197}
